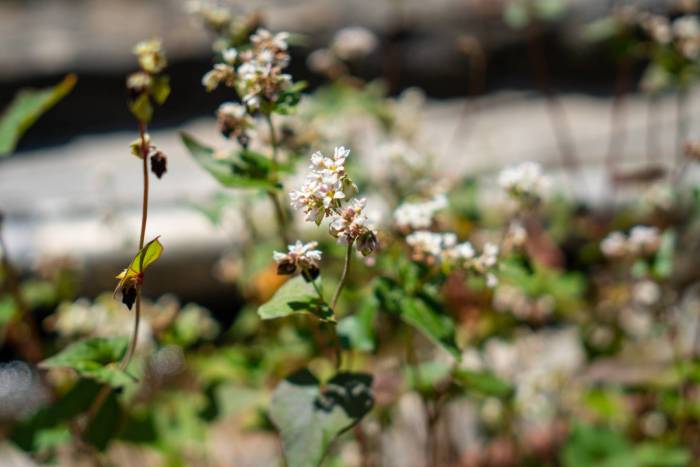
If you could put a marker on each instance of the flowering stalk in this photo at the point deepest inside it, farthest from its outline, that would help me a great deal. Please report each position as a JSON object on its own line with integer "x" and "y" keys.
{"x": 343, "y": 276}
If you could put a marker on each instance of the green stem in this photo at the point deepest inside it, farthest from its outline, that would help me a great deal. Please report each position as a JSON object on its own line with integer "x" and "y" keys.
{"x": 344, "y": 275}
{"x": 273, "y": 135}
{"x": 281, "y": 218}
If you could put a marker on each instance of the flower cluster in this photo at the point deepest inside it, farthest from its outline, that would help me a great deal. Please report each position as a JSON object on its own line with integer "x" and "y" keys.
{"x": 147, "y": 87}
{"x": 327, "y": 185}
{"x": 642, "y": 241}
{"x": 255, "y": 71}
{"x": 525, "y": 183}
{"x": 300, "y": 256}
{"x": 435, "y": 248}
{"x": 325, "y": 191}
{"x": 415, "y": 216}
{"x": 683, "y": 33}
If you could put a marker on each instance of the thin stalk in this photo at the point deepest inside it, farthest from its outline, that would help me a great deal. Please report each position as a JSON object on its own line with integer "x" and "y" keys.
{"x": 279, "y": 211}
{"x": 105, "y": 390}
{"x": 344, "y": 275}
{"x": 281, "y": 218}
{"x": 273, "y": 135}
{"x": 142, "y": 238}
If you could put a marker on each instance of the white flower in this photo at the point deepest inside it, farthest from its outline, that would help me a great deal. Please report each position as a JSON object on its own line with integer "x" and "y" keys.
{"x": 419, "y": 215}
{"x": 302, "y": 256}
{"x": 221, "y": 73}
{"x": 686, "y": 30}
{"x": 524, "y": 182}
{"x": 233, "y": 119}
{"x": 229, "y": 56}
{"x": 614, "y": 245}
{"x": 327, "y": 185}
{"x": 646, "y": 292}
{"x": 353, "y": 43}
{"x": 658, "y": 27}
{"x": 353, "y": 225}
{"x": 644, "y": 239}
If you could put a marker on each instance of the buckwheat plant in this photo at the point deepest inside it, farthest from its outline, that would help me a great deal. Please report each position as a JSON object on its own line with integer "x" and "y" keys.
{"x": 91, "y": 358}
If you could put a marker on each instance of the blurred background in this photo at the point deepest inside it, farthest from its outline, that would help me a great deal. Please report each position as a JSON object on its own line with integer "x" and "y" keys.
{"x": 497, "y": 90}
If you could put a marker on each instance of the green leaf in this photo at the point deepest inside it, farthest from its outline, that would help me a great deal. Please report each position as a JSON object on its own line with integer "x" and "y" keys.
{"x": 437, "y": 327}
{"x": 651, "y": 454}
{"x": 96, "y": 358}
{"x": 663, "y": 263}
{"x": 356, "y": 331}
{"x": 483, "y": 382}
{"x": 309, "y": 417}
{"x": 160, "y": 89}
{"x": 27, "y": 106}
{"x": 602, "y": 447}
{"x": 296, "y": 296}
{"x": 247, "y": 171}
{"x": 28, "y": 434}
{"x": 148, "y": 255}
{"x": 141, "y": 108}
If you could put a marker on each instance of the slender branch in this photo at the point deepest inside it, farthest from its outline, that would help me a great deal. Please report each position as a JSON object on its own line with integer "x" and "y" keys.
{"x": 273, "y": 135}
{"x": 344, "y": 275}
{"x": 142, "y": 238}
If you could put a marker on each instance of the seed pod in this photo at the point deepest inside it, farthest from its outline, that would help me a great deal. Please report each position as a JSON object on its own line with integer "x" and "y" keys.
{"x": 159, "y": 164}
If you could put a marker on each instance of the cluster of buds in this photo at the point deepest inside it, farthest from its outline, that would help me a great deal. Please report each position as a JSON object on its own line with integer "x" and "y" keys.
{"x": 142, "y": 147}
{"x": 435, "y": 248}
{"x": 683, "y": 33}
{"x": 234, "y": 121}
{"x": 299, "y": 257}
{"x": 416, "y": 216}
{"x": 525, "y": 183}
{"x": 327, "y": 192}
{"x": 254, "y": 70}
{"x": 147, "y": 87}
{"x": 641, "y": 241}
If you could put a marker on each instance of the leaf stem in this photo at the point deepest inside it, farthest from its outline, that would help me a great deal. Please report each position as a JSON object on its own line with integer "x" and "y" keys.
{"x": 281, "y": 218}
{"x": 344, "y": 275}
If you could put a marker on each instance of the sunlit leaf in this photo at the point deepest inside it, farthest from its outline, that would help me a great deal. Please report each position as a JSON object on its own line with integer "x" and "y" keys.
{"x": 27, "y": 106}
{"x": 309, "y": 417}
{"x": 247, "y": 170}
{"x": 296, "y": 296}
{"x": 96, "y": 358}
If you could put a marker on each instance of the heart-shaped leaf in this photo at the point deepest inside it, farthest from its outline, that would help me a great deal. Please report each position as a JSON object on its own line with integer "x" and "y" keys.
{"x": 248, "y": 170}
{"x": 96, "y": 358}
{"x": 309, "y": 416}
{"x": 296, "y": 296}
{"x": 26, "y": 108}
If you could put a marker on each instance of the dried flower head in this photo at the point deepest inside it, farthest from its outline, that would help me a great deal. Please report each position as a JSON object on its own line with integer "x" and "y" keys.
{"x": 300, "y": 256}
{"x": 233, "y": 120}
